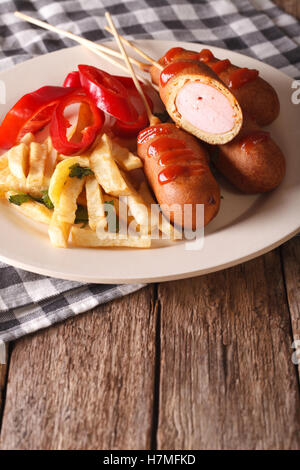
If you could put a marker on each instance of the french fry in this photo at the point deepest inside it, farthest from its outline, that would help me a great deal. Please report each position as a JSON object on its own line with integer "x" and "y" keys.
{"x": 58, "y": 232}
{"x": 116, "y": 200}
{"x": 7, "y": 180}
{"x": 32, "y": 209}
{"x": 18, "y": 161}
{"x": 67, "y": 206}
{"x": 138, "y": 209}
{"x": 27, "y": 138}
{"x": 3, "y": 161}
{"x": 164, "y": 225}
{"x": 61, "y": 174}
{"x": 14, "y": 183}
{"x": 61, "y": 157}
{"x": 95, "y": 203}
{"x": 125, "y": 159}
{"x": 37, "y": 161}
{"x": 118, "y": 204}
{"x": 106, "y": 170}
{"x": 85, "y": 237}
{"x": 4, "y": 175}
{"x": 50, "y": 161}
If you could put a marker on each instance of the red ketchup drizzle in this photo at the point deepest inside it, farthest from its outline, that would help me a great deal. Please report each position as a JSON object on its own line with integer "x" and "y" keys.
{"x": 164, "y": 144}
{"x": 250, "y": 140}
{"x": 176, "y": 156}
{"x": 173, "y": 151}
{"x": 150, "y": 132}
{"x": 171, "y": 70}
{"x": 205, "y": 56}
{"x": 240, "y": 77}
{"x": 173, "y": 171}
{"x": 220, "y": 66}
{"x": 170, "y": 55}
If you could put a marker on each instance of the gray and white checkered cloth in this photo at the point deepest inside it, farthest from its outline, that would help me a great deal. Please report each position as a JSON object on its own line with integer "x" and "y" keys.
{"x": 257, "y": 28}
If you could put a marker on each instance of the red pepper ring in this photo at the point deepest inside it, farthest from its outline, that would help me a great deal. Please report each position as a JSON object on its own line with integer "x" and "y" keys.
{"x": 72, "y": 80}
{"x": 124, "y": 129}
{"x": 59, "y": 125}
{"x": 108, "y": 92}
{"x": 30, "y": 114}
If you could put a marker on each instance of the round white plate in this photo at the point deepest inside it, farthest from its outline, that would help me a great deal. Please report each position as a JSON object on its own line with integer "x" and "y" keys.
{"x": 246, "y": 226}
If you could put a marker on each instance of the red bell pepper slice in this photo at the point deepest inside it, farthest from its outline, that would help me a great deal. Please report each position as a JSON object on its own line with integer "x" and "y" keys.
{"x": 59, "y": 125}
{"x": 30, "y": 114}
{"x": 108, "y": 93}
{"x": 124, "y": 129}
{"x": 72, "y": 80}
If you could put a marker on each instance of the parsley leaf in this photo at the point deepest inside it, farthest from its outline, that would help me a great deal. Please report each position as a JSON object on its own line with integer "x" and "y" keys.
{"x": 19, "y": 199}
{"x": 77, "y": 171}
{"x": 46, "y": 200}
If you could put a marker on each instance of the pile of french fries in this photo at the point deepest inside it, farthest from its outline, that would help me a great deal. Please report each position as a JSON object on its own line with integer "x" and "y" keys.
{"x": 54, "y": 189}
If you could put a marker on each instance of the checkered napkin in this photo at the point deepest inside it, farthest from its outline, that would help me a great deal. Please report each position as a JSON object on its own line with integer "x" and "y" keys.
{"x": 257, "y": 28}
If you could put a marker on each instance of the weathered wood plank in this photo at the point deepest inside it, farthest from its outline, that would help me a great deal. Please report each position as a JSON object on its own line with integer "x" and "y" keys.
{"x": 290, "y": 6}
{"x": 227, "y": 379}
{"x": 291, "y": 265}
{"x": 87, "y": 383}
{"x": 3, "y": 372}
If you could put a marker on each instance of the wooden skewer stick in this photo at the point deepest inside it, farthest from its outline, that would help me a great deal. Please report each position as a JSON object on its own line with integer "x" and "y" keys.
{"x": 84, "y": 42}
{"x": 139, "y": 51}
{"x": 152, "y": 119}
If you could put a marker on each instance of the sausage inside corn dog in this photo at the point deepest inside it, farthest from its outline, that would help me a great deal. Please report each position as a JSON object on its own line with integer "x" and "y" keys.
{"x": 198, "y": 102}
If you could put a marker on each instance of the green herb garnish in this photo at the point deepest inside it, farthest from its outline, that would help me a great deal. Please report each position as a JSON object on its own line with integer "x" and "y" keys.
{"x": 45, "y": 199}
{"x": 77, "y": 171}
{"x": 19, "y": 199}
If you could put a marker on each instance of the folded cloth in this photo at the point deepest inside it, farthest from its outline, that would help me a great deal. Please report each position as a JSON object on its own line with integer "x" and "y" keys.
{"x": 257, "y": 28}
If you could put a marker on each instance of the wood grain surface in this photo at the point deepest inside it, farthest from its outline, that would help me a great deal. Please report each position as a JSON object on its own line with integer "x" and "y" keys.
{"x": 291, "y": 263}
{"x": 87, "y": 383}
{"x": 203, "y": 363}
{"x": 290, "y": 6}
{"x": 3, "y": 372}
{"x": 227, "y": 378}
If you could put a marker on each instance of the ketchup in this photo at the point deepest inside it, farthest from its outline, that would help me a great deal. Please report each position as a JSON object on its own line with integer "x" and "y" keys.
{"x": 171, "y": 70}
{"x": 169, "y": 56}
{"x": 173, "y": 151}
{"x": 176, "y": 156}
{"x": 150, "y": 132}
{"x": 220, "y": 66}
{"x": 240, "y": 77}
{"x": 250, "y": 140}
{"x": 205, "y": 56}
{"x": 172, "y": 172}
{"x": 164, "y": 144}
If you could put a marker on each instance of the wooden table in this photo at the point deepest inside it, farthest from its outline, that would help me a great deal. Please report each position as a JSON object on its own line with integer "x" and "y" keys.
{"x": 203, "y": 363}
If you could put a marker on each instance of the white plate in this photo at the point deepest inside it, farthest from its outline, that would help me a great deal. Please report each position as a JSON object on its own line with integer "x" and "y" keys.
{"x": 246, "y": 226}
